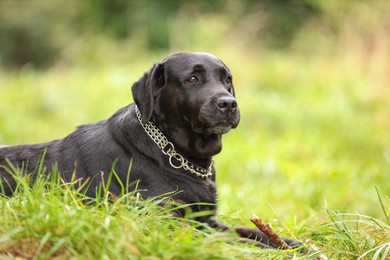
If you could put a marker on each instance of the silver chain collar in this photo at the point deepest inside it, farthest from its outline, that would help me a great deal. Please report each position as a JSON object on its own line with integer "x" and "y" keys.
{"x": 168, "y": 149}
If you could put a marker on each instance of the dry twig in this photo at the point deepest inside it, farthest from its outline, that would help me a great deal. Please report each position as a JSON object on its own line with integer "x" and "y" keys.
{"x": 267, "y": 230}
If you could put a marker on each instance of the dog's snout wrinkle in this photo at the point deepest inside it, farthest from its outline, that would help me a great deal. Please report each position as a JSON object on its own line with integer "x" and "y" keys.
{"x": 227, "y": 104}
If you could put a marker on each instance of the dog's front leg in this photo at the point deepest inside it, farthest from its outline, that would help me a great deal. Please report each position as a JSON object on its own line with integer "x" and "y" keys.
{"x": 257, "y": 235}
{"x": 248, "y": 235}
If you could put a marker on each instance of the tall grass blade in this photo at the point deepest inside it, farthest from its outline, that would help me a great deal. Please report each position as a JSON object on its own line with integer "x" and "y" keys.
{"x": 382, "y": 205}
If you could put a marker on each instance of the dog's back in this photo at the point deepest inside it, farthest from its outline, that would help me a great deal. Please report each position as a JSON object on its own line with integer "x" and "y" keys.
{"x": 23, "y": 158}
{"x": 91, "y": 152}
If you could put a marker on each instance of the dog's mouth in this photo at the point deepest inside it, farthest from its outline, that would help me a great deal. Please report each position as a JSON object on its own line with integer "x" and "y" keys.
{"x": 209, "y": 130}
{"x": 218, "y": 129}
{"x": 216, "y": 124}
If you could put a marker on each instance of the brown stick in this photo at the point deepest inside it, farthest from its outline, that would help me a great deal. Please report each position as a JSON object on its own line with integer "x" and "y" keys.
{"x": 267, "y": 230}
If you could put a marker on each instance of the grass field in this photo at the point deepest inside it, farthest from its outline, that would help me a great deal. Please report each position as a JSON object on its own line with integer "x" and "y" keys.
{"x": 311, "y": 156}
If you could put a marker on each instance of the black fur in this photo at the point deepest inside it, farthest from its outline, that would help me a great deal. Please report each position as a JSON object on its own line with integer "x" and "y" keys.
{"x": 190, "y": 97}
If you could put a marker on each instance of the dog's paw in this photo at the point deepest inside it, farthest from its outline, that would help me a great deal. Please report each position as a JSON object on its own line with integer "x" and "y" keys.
{"x": 292, "y": 243}
{"x": 296, "y": 244}
{"x": 263, "y": 239}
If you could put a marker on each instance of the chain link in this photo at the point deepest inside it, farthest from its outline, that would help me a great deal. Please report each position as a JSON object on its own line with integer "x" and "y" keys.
{"x": 168, "y": 149}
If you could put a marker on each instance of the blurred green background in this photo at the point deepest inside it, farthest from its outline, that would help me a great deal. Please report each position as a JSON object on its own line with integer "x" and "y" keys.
{"x": 312, "y": 79}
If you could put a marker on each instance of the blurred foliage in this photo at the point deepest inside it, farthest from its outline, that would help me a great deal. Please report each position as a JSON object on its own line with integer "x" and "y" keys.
{"x": 43, "y": 33}
{"x": 37, "y": 31}
{"x": 34, "y": 31}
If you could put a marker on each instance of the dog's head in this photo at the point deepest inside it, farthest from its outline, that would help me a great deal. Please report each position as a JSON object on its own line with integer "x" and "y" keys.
{"x": 190, "y": 97}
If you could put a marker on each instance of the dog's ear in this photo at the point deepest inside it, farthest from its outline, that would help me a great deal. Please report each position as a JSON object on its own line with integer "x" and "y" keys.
{"x": 145, "y": 88}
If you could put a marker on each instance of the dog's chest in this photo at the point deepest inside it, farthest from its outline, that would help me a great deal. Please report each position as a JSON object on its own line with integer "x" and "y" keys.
{"x": 198, "y": 191}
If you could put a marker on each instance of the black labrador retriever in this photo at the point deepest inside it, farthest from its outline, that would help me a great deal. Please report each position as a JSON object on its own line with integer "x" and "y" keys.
{"x": 183, "y": 106}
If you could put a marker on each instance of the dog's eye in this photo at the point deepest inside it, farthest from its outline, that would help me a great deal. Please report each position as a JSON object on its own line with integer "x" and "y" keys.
{"x": 228, "y": 80}
{"x": 192, "y": 80}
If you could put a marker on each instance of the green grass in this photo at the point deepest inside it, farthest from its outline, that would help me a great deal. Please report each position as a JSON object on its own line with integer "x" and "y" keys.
{"x": 52, "y": 219}
{"x": 309, "y": 156}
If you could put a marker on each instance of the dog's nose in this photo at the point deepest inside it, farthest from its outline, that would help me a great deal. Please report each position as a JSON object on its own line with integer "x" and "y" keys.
{"x": 227, "y": 104}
